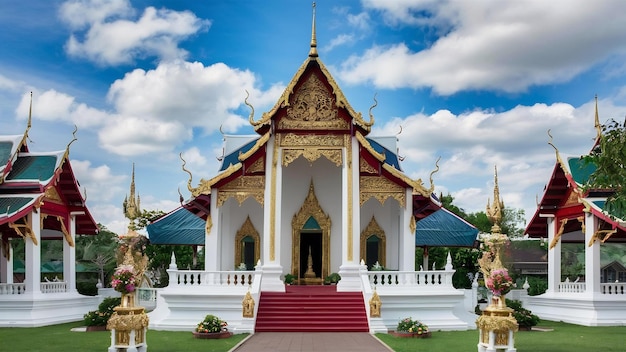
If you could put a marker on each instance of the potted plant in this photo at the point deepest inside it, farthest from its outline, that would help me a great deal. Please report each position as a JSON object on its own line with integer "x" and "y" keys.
{"x": 408, "y": 327}
{"x": 289, "y": 279}
{"x": 525, "y": 318}
{"x": 332, "y": 279}
{"x": 96, "y": 320}
{"x": 212, "y": 327}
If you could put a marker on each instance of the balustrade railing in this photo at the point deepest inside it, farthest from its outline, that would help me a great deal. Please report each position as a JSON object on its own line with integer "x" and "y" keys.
{"x": 424, "y": 278}
{"x": 572, "y": 287}
{"x": 53, "y": 287}
{"x": 613, "y": 288}
{"x": 211, "y": 278}
{"x": 12, "y": 289}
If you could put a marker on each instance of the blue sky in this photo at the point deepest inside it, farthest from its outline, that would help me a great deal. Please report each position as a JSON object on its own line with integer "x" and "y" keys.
{"x": 477, "y": 83}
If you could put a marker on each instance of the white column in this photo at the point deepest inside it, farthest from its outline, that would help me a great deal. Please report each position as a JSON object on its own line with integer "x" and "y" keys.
{"x": 32, "y": 261}
{"x": 350, "y": 220}
{"x": 407, "y": 239}
{"x": 592, "y": 257}
{"x": 272, "y": 227}
{"x": 211, "y": 241}
{"x": 69, "y": 256}
{"x": 554, "y": 258}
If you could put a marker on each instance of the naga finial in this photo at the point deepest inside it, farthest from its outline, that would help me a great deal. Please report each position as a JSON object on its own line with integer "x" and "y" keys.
{"x": 432, "y": 184}
{"x": 371, "y": 123}
{"x": 596, "y": 120}
{"x": 251, "y": 117}
{"x": 188, "y": 172}
{"x": 74, "y": 139}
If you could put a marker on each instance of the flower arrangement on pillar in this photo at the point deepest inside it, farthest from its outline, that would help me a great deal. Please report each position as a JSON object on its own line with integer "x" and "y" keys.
{"x": 499, "y": 283}
{"x": 125, "y": 281}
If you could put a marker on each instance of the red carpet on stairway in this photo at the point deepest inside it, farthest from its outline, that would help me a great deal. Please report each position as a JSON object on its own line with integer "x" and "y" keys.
{"x": 311, "y": 309}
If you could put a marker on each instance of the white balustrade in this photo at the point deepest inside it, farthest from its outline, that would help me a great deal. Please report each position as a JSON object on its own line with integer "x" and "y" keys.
{"x": 12, "y": 289}
{"x": 428, "y": 278}
{"x": 613, "y": 288}
{"x": 210, "y": 278}
{"x": 572, "y": 287}
{"x": 53, "y": 287}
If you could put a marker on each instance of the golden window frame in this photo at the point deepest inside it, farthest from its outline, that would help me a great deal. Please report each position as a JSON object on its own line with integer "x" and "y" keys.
{"x": 373, "y": 229}
{"x": 247, "y": 229}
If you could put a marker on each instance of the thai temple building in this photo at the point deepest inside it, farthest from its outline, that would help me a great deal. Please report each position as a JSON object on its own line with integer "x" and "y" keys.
{"x": 569, "y": 214}
{"x": 309, "y": 195}
{"x": 40, "y": 200}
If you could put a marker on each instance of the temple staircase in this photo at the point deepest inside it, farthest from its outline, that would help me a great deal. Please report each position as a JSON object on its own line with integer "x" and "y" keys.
{"x": 311, "y": 309}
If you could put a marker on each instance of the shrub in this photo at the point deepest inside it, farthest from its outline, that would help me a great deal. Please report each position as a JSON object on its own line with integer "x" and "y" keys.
{"x": 410, "y": 325}
{"x": 289, "y": 278}
{"x": 101, "y": 316}
{"x": 211, "y": 323}
{"x": 524, "y": 317}
{"x": 333, "y": 278}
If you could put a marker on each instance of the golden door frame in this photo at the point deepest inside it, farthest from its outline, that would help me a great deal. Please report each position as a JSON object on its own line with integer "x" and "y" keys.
{"x": 247, "y": 229}
{"x": 310, "y": 208}
{"x": 373, "y": 229}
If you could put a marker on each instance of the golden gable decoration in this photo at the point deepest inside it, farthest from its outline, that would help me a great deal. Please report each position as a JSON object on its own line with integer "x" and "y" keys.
{"x": 313, "y": 107}
{"x": 241, "y": 188}
{"x": 381, "y": 188}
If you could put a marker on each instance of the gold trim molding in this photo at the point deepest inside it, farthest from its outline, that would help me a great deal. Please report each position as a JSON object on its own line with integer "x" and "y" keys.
{"x": 311, "y": 140}
{"x": 247, "y": 229}
{"x": 373, "y": 229}
{"x": 310, "y": 208}
{"x": 241, "y": 189}
{"x": 380, "y": 188}
{"x": 312, "y": 154}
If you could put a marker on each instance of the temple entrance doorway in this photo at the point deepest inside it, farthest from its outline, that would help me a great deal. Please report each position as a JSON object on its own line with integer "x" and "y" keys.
{"x": 310, "y": 255}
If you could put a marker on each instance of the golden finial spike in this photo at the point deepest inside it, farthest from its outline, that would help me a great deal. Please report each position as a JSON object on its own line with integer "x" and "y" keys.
{"x": 131, "y": 203}
{"x": 597, "y": 121}
{"x": 494, "y": 211}
{"x": 30, "y": 112}
{"x": 313, "y": 51}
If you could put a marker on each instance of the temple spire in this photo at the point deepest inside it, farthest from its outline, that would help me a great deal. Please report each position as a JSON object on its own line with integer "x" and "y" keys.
{"x": 596, "y": 121}
{"x": 494, "y": 211}
{"x": 132, "y": 203}
{"x": 313, "y": 51}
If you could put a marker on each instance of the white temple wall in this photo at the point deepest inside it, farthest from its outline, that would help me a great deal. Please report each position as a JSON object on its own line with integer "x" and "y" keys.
{"x": 297, "y": 178}
{"x": 232, "y": 218}
{"x": 388, "y": 217}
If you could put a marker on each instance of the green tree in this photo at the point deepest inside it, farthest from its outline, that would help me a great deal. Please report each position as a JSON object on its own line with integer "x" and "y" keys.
{"x": 609, "y": 157}
{"x": 99, "y": 250}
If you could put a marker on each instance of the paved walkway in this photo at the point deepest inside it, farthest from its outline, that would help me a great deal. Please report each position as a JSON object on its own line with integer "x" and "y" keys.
{"x": 311, "y": 342}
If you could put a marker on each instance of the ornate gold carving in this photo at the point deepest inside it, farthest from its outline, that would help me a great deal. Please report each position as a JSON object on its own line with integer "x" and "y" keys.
{"x": 247, "y": 306}
{"x": 312, "y": 107}
{"x": 312, "y": 154}
{"x": 247, "y": 230}
{"x": 557, "y": 236}
{"x": 494, "y": 211}
{"x": 365, "y": 167}
{"x": 381, "y": 189}
{"x": 27, "y": 230}
{"x": 412, "y": 225}
{"x": 310, "y": 208}
{"x": 66, "y": 233}
{"x": 373, "y": 229}
{"x": 350, "y": 197}
{"x": 311, "y": 140}
{"x": 375, "y": 305}
{"x": 52, "y": 195}
{"x": 125, "y": 320}
{"x": 572, "y": 199}
{"x": 241, "y": 188}
{"x": 257, "y": 166}
{"x": 208, "y": 225}
{"x": 205, "y": 185}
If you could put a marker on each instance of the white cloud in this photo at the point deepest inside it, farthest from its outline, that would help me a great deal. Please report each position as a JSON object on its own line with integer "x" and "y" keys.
{"x": 99, "y": 182}
{"x": 516, "y": 141}
{"x": 113, "y": 37}
{"x": 493, "y": 45}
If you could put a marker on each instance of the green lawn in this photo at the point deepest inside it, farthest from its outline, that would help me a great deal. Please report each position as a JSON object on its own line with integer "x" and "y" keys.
{"x": 564, "y": 337}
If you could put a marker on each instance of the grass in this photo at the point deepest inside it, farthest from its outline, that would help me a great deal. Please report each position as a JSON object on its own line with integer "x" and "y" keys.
{"x": 564, "y": 337}
{"x": 60, "y": 338}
